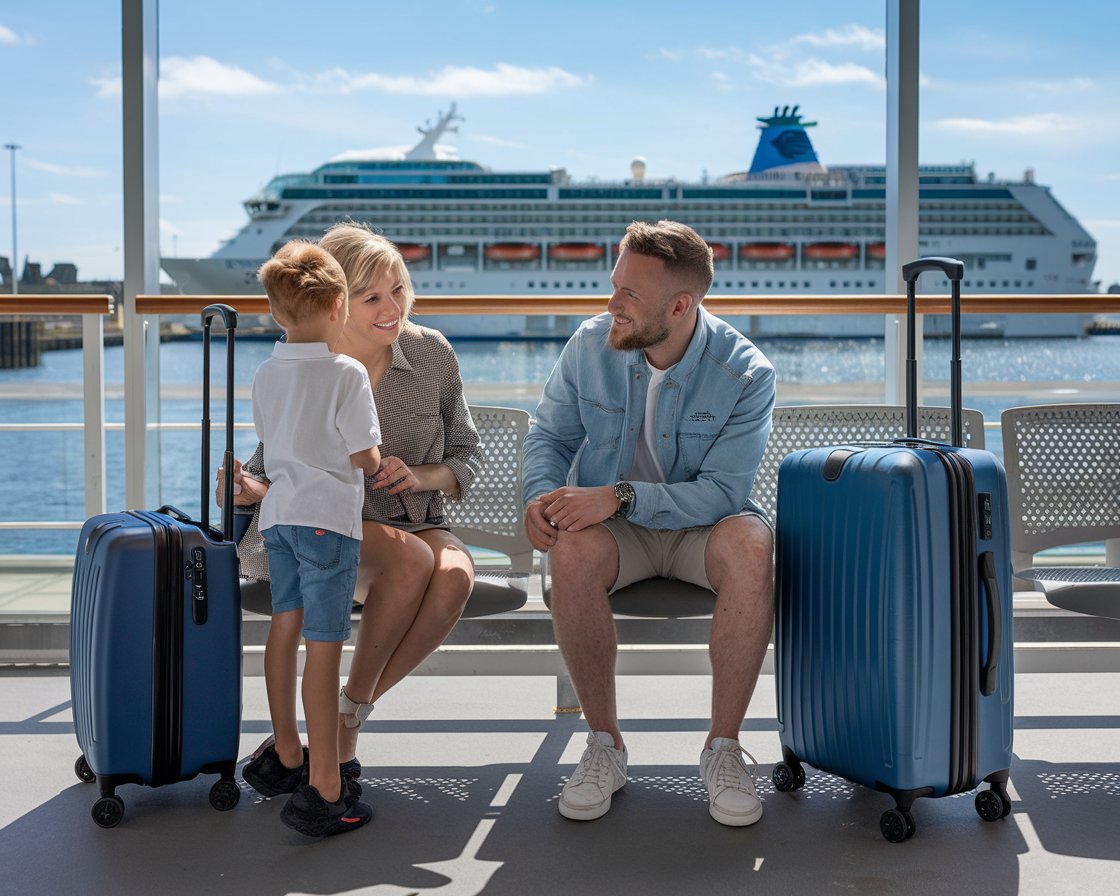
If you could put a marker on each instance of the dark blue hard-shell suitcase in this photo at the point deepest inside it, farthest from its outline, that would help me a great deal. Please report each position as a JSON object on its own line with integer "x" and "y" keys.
{"x": 893, "y": 646}
{"x": 155, "y": 638}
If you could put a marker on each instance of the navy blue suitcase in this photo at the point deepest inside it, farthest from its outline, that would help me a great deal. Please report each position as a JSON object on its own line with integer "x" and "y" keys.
{"x": 893, "y": 645}
{"x": 155, "y": 638}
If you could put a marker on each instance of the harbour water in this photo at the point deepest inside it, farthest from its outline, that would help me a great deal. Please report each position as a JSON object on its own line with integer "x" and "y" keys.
{"x": 45, "y": 478}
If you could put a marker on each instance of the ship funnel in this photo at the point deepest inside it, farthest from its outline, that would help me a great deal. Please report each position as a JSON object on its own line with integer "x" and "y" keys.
{"x": 783, "y": 145}
{"x": 638, "y": 169}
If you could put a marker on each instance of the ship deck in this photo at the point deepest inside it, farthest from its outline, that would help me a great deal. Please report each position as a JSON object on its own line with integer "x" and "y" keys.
{"x": 463, "y": 773}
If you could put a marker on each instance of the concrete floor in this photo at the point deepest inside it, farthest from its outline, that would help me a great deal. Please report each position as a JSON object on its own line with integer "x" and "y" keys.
{"x": 463, "y": 774}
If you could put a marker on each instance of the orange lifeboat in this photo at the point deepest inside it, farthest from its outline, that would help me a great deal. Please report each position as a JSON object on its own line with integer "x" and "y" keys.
{"x": 766, "y": 252}
{"x": 830, "y": 251}
{"x": 877, "y": 251}
{"x": 720, "y": 251}
{"x": 575, "y": 252}
{"x": 512, "y": 252}
{"x": 415, "y": 251}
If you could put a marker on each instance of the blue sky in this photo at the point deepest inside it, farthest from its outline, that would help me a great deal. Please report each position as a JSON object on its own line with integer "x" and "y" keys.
{"x": 251, "y": 89}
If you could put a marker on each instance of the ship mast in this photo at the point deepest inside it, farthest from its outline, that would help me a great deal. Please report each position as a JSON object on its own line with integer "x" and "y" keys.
{"x": 426, "y": 148}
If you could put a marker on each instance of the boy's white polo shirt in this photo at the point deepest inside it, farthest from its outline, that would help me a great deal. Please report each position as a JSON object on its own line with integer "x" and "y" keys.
{"x": 312, "y": 409}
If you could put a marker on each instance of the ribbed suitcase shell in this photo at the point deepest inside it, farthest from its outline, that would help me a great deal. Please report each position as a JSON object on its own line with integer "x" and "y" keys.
{"x": 882, "y": 629}
{"x": 155, "y": 636}
{"x": 157, "y": 694}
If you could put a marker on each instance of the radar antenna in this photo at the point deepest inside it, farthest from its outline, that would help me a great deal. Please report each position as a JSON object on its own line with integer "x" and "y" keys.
{"x": 426, "y": 148}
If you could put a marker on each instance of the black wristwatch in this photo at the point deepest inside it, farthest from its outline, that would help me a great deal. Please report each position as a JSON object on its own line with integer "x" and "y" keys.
{"x": 624, "y": 491}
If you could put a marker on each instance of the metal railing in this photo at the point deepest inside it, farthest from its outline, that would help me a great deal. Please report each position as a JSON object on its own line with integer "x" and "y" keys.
{"x": 94, "y": 308}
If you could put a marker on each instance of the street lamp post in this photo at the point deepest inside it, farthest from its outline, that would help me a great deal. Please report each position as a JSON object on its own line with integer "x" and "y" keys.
{"x": 12, "y": 147}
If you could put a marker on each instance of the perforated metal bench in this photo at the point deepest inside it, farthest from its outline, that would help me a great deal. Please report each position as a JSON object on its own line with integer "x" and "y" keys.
{"x": 1063, "y": 483}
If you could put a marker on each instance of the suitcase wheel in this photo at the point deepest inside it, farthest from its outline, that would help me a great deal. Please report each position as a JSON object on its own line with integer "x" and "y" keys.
{"x": 994, "y": 804}
{"x": 225, "y": 794}
{"x": 787, "y": 778}
{"x": 897, "y": 825}
{"x": 108, "y": 811}
{"x": 83, "y": 771}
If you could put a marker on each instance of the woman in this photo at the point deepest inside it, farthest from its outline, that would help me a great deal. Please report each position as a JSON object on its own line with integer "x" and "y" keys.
{"x": 414, "y": 576}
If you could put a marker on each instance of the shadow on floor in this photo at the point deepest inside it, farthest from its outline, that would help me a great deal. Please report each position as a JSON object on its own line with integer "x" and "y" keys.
{"x": 494, "y": 829}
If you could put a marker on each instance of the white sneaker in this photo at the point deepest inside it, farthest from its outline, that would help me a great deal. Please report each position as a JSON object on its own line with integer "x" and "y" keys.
{"x": 601, "y": 771}
{"x": 731, "y": 794}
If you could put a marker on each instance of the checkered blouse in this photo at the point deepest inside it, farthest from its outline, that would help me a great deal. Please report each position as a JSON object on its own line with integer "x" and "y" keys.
{"x": 424, "y": 420}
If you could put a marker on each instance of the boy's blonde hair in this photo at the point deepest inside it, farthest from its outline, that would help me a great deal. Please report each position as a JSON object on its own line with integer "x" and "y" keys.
{"x": 303, "y": 282}
{"x": 366, "y": 257}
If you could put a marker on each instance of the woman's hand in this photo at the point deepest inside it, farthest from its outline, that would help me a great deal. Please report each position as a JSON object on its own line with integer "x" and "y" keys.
{"x": 246, "y": 489}
{"x": 395, "y": 476}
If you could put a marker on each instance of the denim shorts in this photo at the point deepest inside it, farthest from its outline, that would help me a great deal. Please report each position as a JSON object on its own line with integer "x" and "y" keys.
{"x": 313, "y": 570}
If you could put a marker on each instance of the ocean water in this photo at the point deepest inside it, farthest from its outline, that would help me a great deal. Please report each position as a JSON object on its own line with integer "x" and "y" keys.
{"x": 44, "y": 470}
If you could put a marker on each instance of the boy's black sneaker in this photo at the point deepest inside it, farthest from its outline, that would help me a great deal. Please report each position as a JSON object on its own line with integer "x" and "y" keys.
{"x": 307, "y": 812}
{"x": 267, "y": 775}
{"x": 350, "y": 782}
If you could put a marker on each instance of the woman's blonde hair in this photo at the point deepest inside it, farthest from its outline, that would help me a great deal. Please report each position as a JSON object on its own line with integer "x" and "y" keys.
{"x": 366, "y": 257}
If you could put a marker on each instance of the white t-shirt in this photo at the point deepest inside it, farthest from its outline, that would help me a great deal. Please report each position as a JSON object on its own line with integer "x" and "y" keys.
{"x": 312, "y": 409}
{"x": 646, "y": 467}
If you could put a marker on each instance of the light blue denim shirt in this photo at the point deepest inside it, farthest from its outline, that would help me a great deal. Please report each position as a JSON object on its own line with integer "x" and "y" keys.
{"x": 713, "y": 420}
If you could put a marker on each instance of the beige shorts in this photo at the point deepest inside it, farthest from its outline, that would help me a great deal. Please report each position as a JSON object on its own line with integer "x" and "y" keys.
{"x": 663, "y": 553}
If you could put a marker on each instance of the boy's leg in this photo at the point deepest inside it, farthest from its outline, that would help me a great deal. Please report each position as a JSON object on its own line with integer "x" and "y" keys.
{"x": 280, "y": 654}
{"x": 320, "y": 708}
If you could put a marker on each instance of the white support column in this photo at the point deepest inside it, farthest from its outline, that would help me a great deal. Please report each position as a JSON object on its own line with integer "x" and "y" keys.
{"x": 93, "y": 411}
{"x": 139, "y": 72}
{"x": 902, "y": 184}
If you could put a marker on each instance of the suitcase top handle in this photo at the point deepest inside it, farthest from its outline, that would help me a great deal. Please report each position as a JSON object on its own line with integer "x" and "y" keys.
{"x": 954, "y": 270}
{"x": 229, "y": 318}
{"x": 950, "y": 267}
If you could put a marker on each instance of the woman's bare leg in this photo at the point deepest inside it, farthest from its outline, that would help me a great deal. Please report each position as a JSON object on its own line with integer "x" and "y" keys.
{"x": 440, "y": 607}
{"x": 414, "y": 588}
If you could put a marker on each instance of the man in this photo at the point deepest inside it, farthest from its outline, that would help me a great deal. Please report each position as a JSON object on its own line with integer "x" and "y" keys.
{"x": 640, "y": 464}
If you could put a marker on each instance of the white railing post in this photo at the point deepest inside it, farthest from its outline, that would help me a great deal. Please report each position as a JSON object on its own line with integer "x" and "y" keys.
{"x": 93, "y": 411}
{"x": 902, "y": 185}
{"x": 139, "y": 73}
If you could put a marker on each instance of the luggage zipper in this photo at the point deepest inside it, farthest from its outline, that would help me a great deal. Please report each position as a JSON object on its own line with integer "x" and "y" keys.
{"x": 964, "y": 740}
{"x": 167, "y": 649}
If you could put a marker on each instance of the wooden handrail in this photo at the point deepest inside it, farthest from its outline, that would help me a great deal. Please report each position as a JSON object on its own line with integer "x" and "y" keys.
{"x": 55, "y": 303}
{"x": 1093, "y": 303}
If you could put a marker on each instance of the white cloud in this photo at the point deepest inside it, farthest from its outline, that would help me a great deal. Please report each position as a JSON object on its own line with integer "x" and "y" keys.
{"x": 458, "y": 81}
{"x": 1062, "y": 87}
{"x": 63, "y": 199}
{"x": 848, "y": 36}
{"x": 499, "y": 141}
{"x": 166, "y": 228}
{"x": 1094, "y": 224}
{"x": 8, "y": 36}
{"x": 203, "y": 76}
{"x": 65, "y": 170}
{"x": 198, "y": 76}
{"x": 1020, "y": 125}
{"x": 815, "y": 73}
{"x": 672, "y": 55}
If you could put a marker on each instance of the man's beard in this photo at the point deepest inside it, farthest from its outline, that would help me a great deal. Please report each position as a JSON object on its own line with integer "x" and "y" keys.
{"x": 650, "y": 335}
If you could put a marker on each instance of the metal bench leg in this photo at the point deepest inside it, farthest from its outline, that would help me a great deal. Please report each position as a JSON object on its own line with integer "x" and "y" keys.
{"x": 566, "y": 698}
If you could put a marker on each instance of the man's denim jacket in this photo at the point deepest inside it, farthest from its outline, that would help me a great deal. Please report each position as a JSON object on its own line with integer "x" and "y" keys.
{"x": 713, "y": 420}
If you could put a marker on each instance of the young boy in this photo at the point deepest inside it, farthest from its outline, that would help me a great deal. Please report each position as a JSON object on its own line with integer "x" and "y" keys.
{"x": 314, "y": 413}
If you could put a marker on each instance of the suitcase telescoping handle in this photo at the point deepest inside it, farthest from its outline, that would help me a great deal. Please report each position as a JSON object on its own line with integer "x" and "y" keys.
{"x": 954, "y": 270}
{"x": 229, "y": 318}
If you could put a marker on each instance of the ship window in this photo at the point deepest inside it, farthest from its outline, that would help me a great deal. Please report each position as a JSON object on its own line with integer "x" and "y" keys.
{"x": 832, "y": 284}
{"x": 754, "y": 284}
{"x": 1031, "y": 264}
{"x": 769, "y": 285}
{"x": 742, "y": 285}
{"x": 1018, "y": 283}
{"x": 847, "y": 284}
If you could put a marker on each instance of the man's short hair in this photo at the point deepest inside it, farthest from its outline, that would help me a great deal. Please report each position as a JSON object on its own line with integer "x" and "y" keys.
{"x": 682, "y": 249}
{"x": 302, "y": 281}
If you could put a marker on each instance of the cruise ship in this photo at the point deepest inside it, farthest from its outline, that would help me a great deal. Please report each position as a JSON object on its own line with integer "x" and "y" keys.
{"x": 788, "y": 224}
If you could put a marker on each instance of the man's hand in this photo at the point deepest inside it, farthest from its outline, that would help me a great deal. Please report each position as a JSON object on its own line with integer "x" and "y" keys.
{"x": 571, "y": 509}
{"x": 541, "y": 533}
